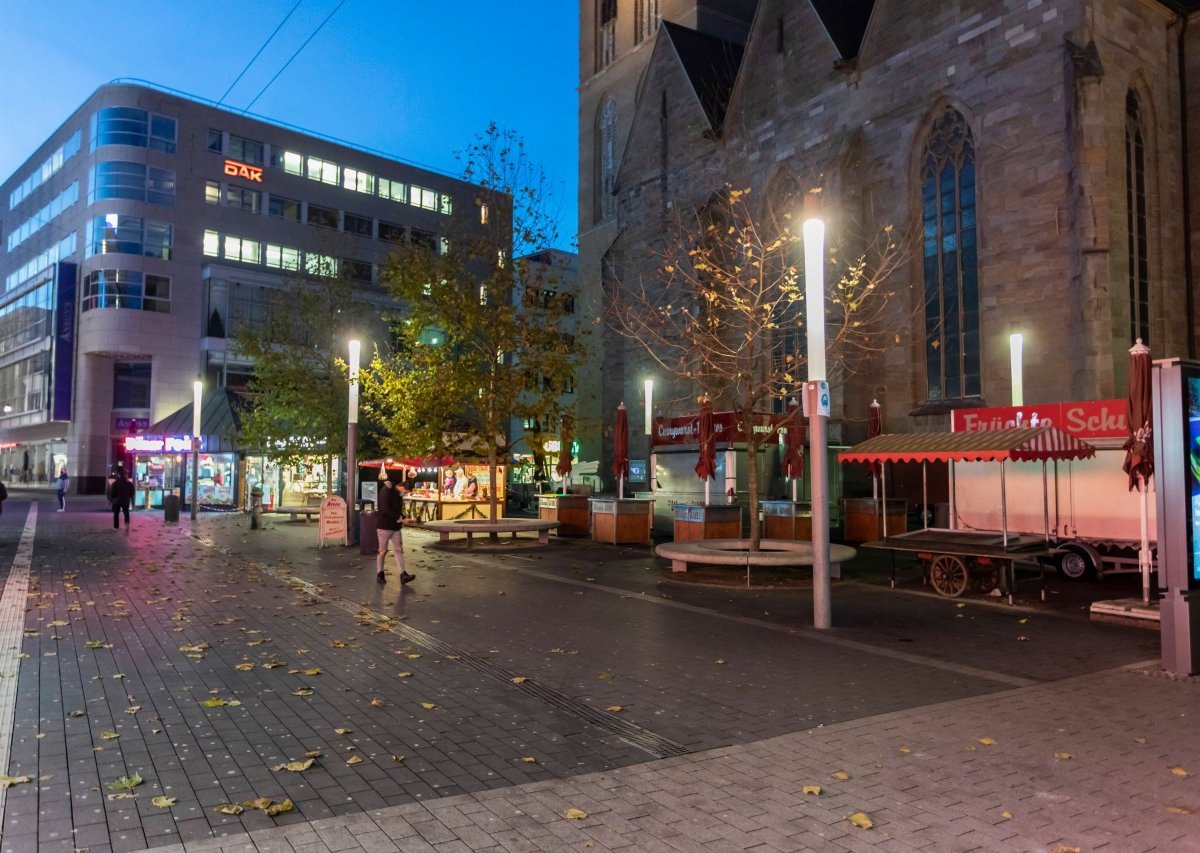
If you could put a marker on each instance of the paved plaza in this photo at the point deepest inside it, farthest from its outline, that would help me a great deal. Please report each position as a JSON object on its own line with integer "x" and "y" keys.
{"x": 206, "y": 687}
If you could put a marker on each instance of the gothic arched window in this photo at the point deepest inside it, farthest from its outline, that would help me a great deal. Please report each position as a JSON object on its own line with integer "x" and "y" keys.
{"x": 951, "y": 263}
{"x": 606, "y": 159}
{"x": 1136, "y": 227}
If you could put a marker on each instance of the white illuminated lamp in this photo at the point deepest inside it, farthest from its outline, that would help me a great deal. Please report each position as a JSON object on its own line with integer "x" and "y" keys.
{"x": 813, "y": 230}
{"x": 649, "y": 386}
{"x": 197, "y": 393}
{"x": 1016, "y": 352}
{"x": 352, "y": 440}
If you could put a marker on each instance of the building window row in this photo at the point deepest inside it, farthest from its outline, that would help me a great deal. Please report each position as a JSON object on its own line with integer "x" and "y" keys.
{"x": 135, "y": 181}
{"x": 328, "y": 172}
{"x": 27, "y": 319}
{"x": 116, "y": 233}
{"x": 645, "y": 19}
{"x": 127, "y": 289}
{"x": 45, "y": 171}
{"x": 247, "y": 251}
{"x": 131, "y": 126}
{"x": 319, "y": 216}
{"x": 24, "y": 384}
{"x": 44, "y": 217}
{"x": 35, "y": 266}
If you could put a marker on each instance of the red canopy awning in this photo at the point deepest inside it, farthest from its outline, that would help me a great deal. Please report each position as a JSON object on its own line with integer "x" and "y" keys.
{"x": 1017, "y": 445}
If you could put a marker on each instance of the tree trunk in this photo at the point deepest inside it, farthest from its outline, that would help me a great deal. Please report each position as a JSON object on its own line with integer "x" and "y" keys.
{"x": 329, "y": 489}
{"x": 752, "y": 484}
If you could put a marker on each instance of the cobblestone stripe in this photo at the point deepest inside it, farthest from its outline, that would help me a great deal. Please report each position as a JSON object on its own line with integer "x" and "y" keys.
{"x": 12, "y": 625}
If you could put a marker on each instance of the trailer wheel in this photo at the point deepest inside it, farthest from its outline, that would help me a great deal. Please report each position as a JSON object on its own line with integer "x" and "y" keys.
{"x": 1075, "y": 565}
{"x": 948, "y": 575}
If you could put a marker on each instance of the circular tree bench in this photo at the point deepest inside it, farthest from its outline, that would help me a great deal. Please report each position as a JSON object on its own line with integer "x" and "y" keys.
{"x": 471, "y": 526}
{"x": 778, "y": 553}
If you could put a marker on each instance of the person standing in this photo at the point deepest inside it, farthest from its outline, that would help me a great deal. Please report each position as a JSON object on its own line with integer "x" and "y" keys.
{"x": 122, "y": 497}
{"x": 388, "y": 527}
{"x": 63, "y": 482}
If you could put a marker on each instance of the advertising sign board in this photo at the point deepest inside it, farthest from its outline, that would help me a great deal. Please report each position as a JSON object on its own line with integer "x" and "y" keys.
{"x": 1086, "y": 419}
{"x": 331, "y": 524}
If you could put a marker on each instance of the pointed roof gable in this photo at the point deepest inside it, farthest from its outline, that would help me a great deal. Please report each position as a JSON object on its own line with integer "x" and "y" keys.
{"x": 711, "y": 65}
{"x": 846, "y": 22}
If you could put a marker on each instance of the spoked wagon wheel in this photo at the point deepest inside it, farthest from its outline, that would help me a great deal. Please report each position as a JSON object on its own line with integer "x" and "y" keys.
{"x": 948, "y": 574}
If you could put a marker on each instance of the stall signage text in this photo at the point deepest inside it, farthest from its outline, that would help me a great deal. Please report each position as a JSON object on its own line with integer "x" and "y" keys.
{"x": 159, "y": 443}
{"x": 1086, "y": 419}
{"x": 243, "y": 170}
{"x": 726, "y": 428}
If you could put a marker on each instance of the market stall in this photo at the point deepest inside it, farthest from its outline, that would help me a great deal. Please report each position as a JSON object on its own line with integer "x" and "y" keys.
{"x": 445, "y": 489}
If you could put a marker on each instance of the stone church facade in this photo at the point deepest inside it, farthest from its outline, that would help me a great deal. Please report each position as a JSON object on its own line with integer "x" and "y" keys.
{"x": 1034, "y": 156}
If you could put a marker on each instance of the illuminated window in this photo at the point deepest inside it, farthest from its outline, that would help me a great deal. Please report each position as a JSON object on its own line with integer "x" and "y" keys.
{"x": 483, "y": 214}
{"x": 423, "y": 198}
{"x": 289, "y": 161}
{"x": 501, "y": 258}
{"x": 116, "y": 233}
{"x": 242, "y": 249}
{"x": 212, "y": 192}
{"x": 212, "y": 244}
{"x": 393, "y": 190}
{"x": 44, "y": 216}
{"x": 322, "y": 265}
{"x": 447, "y": 205}
{"x": 443, "y": 245}
{"x": 359, "y": 181}
{"x": 45, "y": 171}
{"x": 129, "y": 126}
{"x": 135, "y": 181}
{"x": 324, "y": 171}
{"x": 282, "y": 257}
{"x": 126, "y": 289}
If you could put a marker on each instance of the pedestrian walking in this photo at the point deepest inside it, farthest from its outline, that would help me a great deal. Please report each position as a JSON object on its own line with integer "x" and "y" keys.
{"x": 63, "y": 482}
{"x": 122, "y": 497}
{"x": 389, "y": 527}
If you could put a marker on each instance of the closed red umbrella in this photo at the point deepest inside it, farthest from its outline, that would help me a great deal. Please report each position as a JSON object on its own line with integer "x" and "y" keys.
{"x": 706, "y": 467}
{"x": 1139, "y": 447}
{"x": 620, "y": 463}
{"x": 793, "y": 452}
{"x": 563, "y": 468}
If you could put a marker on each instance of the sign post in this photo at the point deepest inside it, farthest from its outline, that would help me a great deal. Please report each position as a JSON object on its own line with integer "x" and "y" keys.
{"x": 331, "y": 523}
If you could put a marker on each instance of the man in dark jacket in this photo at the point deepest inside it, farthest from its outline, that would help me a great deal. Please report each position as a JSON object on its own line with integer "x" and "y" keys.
{"x": 122, "y": 498}
{"x": 388, "y": 524}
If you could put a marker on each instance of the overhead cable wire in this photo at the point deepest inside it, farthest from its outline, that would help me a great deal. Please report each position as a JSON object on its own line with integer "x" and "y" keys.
{"x": 293, "y": 56}
{"x": 254, "y": 58}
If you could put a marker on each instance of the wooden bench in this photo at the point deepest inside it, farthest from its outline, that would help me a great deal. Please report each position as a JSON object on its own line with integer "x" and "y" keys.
{"x": 471, "y": 526}
{"x": 733, "y": 552}
{"x": 293, "y": 512}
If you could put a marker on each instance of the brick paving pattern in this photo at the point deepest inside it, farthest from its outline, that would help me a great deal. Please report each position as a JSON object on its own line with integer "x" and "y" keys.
{"x": 131, "y": 634}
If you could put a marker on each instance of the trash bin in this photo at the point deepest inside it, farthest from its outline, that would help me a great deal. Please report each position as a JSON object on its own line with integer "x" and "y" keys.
{"x": 367, "y": 524}
{"x": 171, "y": 508}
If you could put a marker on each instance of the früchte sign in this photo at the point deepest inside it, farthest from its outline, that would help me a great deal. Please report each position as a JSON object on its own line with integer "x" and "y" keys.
{"x": 1086, "y": 419}
{"x": 726, "y": 428}
{"x": 243, "y": 170}
{"x": 160, "y": 443}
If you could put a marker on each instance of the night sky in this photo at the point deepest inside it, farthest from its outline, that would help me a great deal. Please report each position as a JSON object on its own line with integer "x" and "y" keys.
{"x": 413, "y": 78}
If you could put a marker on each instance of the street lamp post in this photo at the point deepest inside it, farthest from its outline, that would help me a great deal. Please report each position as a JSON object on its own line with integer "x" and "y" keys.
{"x": 1015, "y": 354}
{"x": 197, "y": 392}
{"x": 352, "y": 441}
{"x": 816, "y": 395}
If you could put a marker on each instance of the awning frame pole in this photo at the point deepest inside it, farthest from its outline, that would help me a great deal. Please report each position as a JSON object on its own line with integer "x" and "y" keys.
{"x": 883, "y": 491}
{"x": 1003, "y": 506}
{"x": 925, "y": 492}
{"x": 1045, "y": 504}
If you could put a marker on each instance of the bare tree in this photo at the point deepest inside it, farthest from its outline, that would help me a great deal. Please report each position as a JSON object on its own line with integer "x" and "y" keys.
{"x": 723, "y": 311}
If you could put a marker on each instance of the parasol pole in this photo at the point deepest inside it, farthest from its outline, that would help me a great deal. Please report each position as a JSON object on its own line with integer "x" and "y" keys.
{"x": 1144, "y": 551}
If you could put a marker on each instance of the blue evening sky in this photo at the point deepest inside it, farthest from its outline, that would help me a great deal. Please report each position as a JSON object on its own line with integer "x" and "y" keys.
{"x": 414, "y": 78}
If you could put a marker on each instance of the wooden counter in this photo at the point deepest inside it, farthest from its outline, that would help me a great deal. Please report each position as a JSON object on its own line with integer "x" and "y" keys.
{"x": 570, "y": 511}
{"x": 707, "y": 521}
{"x": 787, "y": 520}
{"x": 863, "y": 522}
{"x": 621, "y": 521}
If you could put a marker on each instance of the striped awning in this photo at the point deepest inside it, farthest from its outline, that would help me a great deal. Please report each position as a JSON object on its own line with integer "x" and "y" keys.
{"x": 1023, "y": 444}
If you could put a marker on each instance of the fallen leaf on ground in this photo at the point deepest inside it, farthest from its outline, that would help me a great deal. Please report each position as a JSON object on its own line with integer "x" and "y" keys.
{"x": 1007, "y": 815}
{"x": 575, "y": 814}
{"x": 1179, "y": 810}
{"x": 77, "y": 714}
{"x": 377, "y": 702}
{"x": 229, "y": 808}
{"x": 354, "y": 759}
{"x": 605, "y": 676}
{"x": 529, "y": 759}
{"x": 1180, "y": 772}
{"x": 125, "y": 783}
{"x": 1063, "y": 848}
{"x": 815, "y": 790}
{"x": 862, "y": 820}
{"x": 303, "y": 691}
{"x": 312, "y": 671}
{"x": 244, "y": 667}
{"x": 719, "y": 660}
{"x": 215, "y": 702}
{"x": 1022, "y": 639}
{"x": 987, "y": 741}
{"x": 1140, "y": 740}
{"x": 404, "y": 675}
{"x": 313, "y": 753}
{"x": 294, "y": 766}
{"x": 520, "y": 679}
{"x": 9, "y": 781}
{"x": 109, "y": 735}
{"x": 1063, "y": 756}
{"x": 260, "y": 803}
{"x": 428, "y": 706}
{"x": 905, "y": 750}
{"x": 397, "y": 758}
{"x": 133, "y": 709}
{"x": 841, "y": 775}
{"x": 616, "y": 709}
{"x": 280, "y": 808}
{"x": 163, "y": 802}
{"x": 342, "y": 731}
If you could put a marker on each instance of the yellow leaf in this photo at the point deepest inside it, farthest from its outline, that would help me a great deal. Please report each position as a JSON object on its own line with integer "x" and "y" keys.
{"x": 133, "y": 709}
{"x": 404, "y": 675}
{"x": 1007, "y": 815}
{"x": 312, "y": 671}
{"x": 1024, "y": 621}
{"x": 520, "y": 679}
{"x": 342, "y": 731}
{"x": 841, "y": 775}
{"x": 163, "y": 802}
{"x": 575, "y": 814}
{"x": 354, "y": 759}
{"x": 260, "y": 803}
{"x": 428, "y": 706}
{"x": 244, "y": 667}
{"x": 412, "y": 657}
{"x": 616, "y": 709}
{"x": 1063, "y": 756}
{"x": 109, "y": 735}
{"x": 1140, "y": 740}
{"x": 294, "y": 766}
{"x": 606, "y": 676}
{"x": 275, "y": 664}
{"x": 280, "y": 808}
{"x": 1180, "y": 772}
{"x": 960, "y": 605}
{"x": 1063, "y": 848}
{"x": 1022, "y": 639}
{"x": 987, "y": 741}
{"x": 719, "y": 660}
{"x": 57, "y": 623}
{"x": 303, "y": 691}
{"x": 861, "y": 819}
{"x": 397, "y": 758}
{"x": 815, "y": 790}
{"x": 313, "y": 753}
{"x": 529, "y": 759}
{"x": 378, "y": 703}
{"x": 1179, "y": 810}
{"x": 214, "y": 702}
{"x": 229, "y": 808}
{"x": 905, "y": 750}
{"x": 9, "y": 781}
